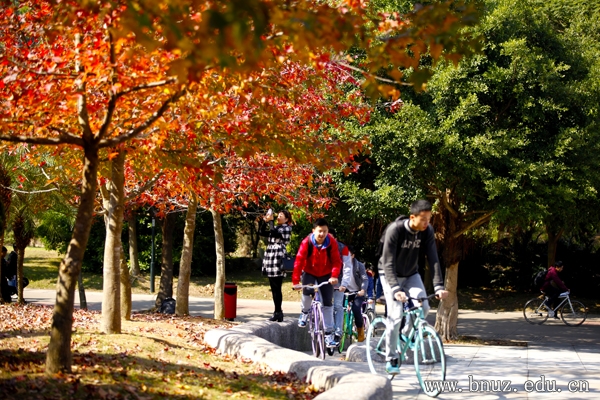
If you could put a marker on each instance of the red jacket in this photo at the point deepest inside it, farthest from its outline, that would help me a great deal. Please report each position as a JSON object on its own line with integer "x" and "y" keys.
{"x": 319, "y": 264}
{"x": 552, "y": 276}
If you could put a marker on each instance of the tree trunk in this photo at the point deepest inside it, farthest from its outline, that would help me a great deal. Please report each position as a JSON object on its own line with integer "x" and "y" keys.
{"x": 134, "y": 262}
{"x": 111, "y": 291}
{"x": 125, "y": 288}
{"x": 553, "y": 238}
{"x": 82, "y": 298}
{"x": 220, "y": 279}
{"x": 185, "y": 265}
{"x": 21, "y": 256}
{"x": 446, "y": 319}
{"x": 58, "y": 356}
{"x": 165, "y": 289}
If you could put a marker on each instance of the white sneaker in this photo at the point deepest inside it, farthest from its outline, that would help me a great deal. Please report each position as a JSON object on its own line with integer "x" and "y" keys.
{"x": 330, "y": 341}
{"x": 302, "y": 319}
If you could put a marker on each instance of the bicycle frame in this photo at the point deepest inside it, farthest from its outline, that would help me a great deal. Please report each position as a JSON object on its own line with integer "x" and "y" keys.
{"x": 426, "y": 345}
{"x": 315, "y": 320}
{"x": 348, "y": 321}
{"x": 566, "y": 298}
{"x": 572, "y": 312}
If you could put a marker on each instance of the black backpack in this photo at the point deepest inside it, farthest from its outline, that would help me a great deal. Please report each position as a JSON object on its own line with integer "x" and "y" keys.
{"x": 540, "y": 278}
{"x": 168, "y": 306}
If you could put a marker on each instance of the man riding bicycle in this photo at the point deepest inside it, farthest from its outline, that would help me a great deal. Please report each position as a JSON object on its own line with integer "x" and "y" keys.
{"x": 399, "y": 270}
{"x": 553, "y": 286}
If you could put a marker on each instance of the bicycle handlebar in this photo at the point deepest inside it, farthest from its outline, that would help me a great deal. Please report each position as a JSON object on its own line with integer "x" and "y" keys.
{"x": 310, "y": 285}
{"x": 423, "y": 298}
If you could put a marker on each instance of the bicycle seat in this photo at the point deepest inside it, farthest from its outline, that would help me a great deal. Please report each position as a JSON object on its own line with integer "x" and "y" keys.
{"x": 565, "y": 294}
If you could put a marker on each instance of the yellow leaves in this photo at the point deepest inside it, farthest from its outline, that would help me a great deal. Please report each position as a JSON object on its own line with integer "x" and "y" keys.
{"x": 436, "y": 49}
{"x": 51, "y": 181}
{"x": 180, "y": 68}
{"x": 389, "y": 91}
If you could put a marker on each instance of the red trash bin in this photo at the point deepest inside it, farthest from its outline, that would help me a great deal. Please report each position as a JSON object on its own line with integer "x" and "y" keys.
{"x": 230, "y": 300}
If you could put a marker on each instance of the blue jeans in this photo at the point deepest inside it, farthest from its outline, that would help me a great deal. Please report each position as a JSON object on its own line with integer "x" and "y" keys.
{"x": 338, "y": 312}
{"x": 379, "y": 289}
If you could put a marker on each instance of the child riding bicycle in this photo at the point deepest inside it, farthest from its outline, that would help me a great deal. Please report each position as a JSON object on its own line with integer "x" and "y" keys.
{"x": 355, "y": 280}
{"x": 398, "y": 266}
{"x": 318, "y": 260}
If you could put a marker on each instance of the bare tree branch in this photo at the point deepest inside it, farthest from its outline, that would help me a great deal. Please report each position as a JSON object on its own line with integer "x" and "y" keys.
{"x": 146, "y": 86}
{"x": 479, "y": 221}
{"x": 133, "y": 194}
{"x": 26, "y": 192}
{"x": 42, "y": 140}
{"x": 132, "y": 133}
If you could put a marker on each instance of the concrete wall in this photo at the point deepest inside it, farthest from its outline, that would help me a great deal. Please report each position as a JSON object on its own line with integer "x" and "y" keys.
{"x": 281, "y": 346}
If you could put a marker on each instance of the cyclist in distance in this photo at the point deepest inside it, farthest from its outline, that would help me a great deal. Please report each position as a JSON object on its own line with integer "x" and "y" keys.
{"x": 318, "y": 260}
{"x": 553, "y": 286}
{"x": 399, "y": 270}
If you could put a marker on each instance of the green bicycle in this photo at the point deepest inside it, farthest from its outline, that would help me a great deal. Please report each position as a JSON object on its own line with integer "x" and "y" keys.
{"x": 424, "y": 342}
{"x": 349, "y": 333}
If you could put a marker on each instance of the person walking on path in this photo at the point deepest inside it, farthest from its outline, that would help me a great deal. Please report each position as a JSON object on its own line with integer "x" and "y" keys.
{"x": 278, "y": 238}
{"x": 317, "y": 261}
{"x": 399, "y": 270}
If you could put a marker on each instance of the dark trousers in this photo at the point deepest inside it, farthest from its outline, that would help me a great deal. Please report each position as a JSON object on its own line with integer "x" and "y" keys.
{"x": 325, "y": 291}
{"x": 356, "y": 303}
{"x": 6, "y": 290}
{"x": 276, "y": 283}
{"x": 553, "y": 294}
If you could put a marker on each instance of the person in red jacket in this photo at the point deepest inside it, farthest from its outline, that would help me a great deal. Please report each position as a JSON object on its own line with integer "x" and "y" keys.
{"x": 318, "y": 260}
{"x": 553, "y": 286}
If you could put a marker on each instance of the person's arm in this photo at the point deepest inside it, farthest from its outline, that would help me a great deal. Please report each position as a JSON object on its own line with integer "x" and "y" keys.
{"x": 336, "y": 261}
{"x": 300, "y": 261}
{"x": 370, "y": 286}
{"x": 388, "y": 257}
{"x": 432, "y": 258}
{"x": 558, "y": 281}
{"x": 285, "y": 232}
{"x": 363, "y": 274}
{"x": 346, "y": 267}
{"x": 265, "y": 228}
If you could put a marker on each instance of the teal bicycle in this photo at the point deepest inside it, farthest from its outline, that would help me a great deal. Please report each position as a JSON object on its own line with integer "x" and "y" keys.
{"x": 419, "y": 338}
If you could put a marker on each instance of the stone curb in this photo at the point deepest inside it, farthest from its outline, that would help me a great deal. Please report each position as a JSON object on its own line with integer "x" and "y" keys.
{"x": 269, "y": 343}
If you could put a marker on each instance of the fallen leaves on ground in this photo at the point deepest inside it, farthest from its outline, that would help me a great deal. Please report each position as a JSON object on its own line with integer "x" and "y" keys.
{"x": 156, "y": 356}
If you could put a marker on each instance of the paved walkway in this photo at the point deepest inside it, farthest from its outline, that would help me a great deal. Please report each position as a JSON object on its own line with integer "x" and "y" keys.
{"x": 568, "y": 358}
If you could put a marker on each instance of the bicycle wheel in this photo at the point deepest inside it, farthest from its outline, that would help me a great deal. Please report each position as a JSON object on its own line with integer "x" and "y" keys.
{"x": 535, "y": 311}
{"x": 375, "y": 346}
{"x": 371, "y": 316}
{"x": 575, "y": 315}
{"x": 316, "y": 332}
{"x": 430, "y": 360}
{"x": 347, "y": 333}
